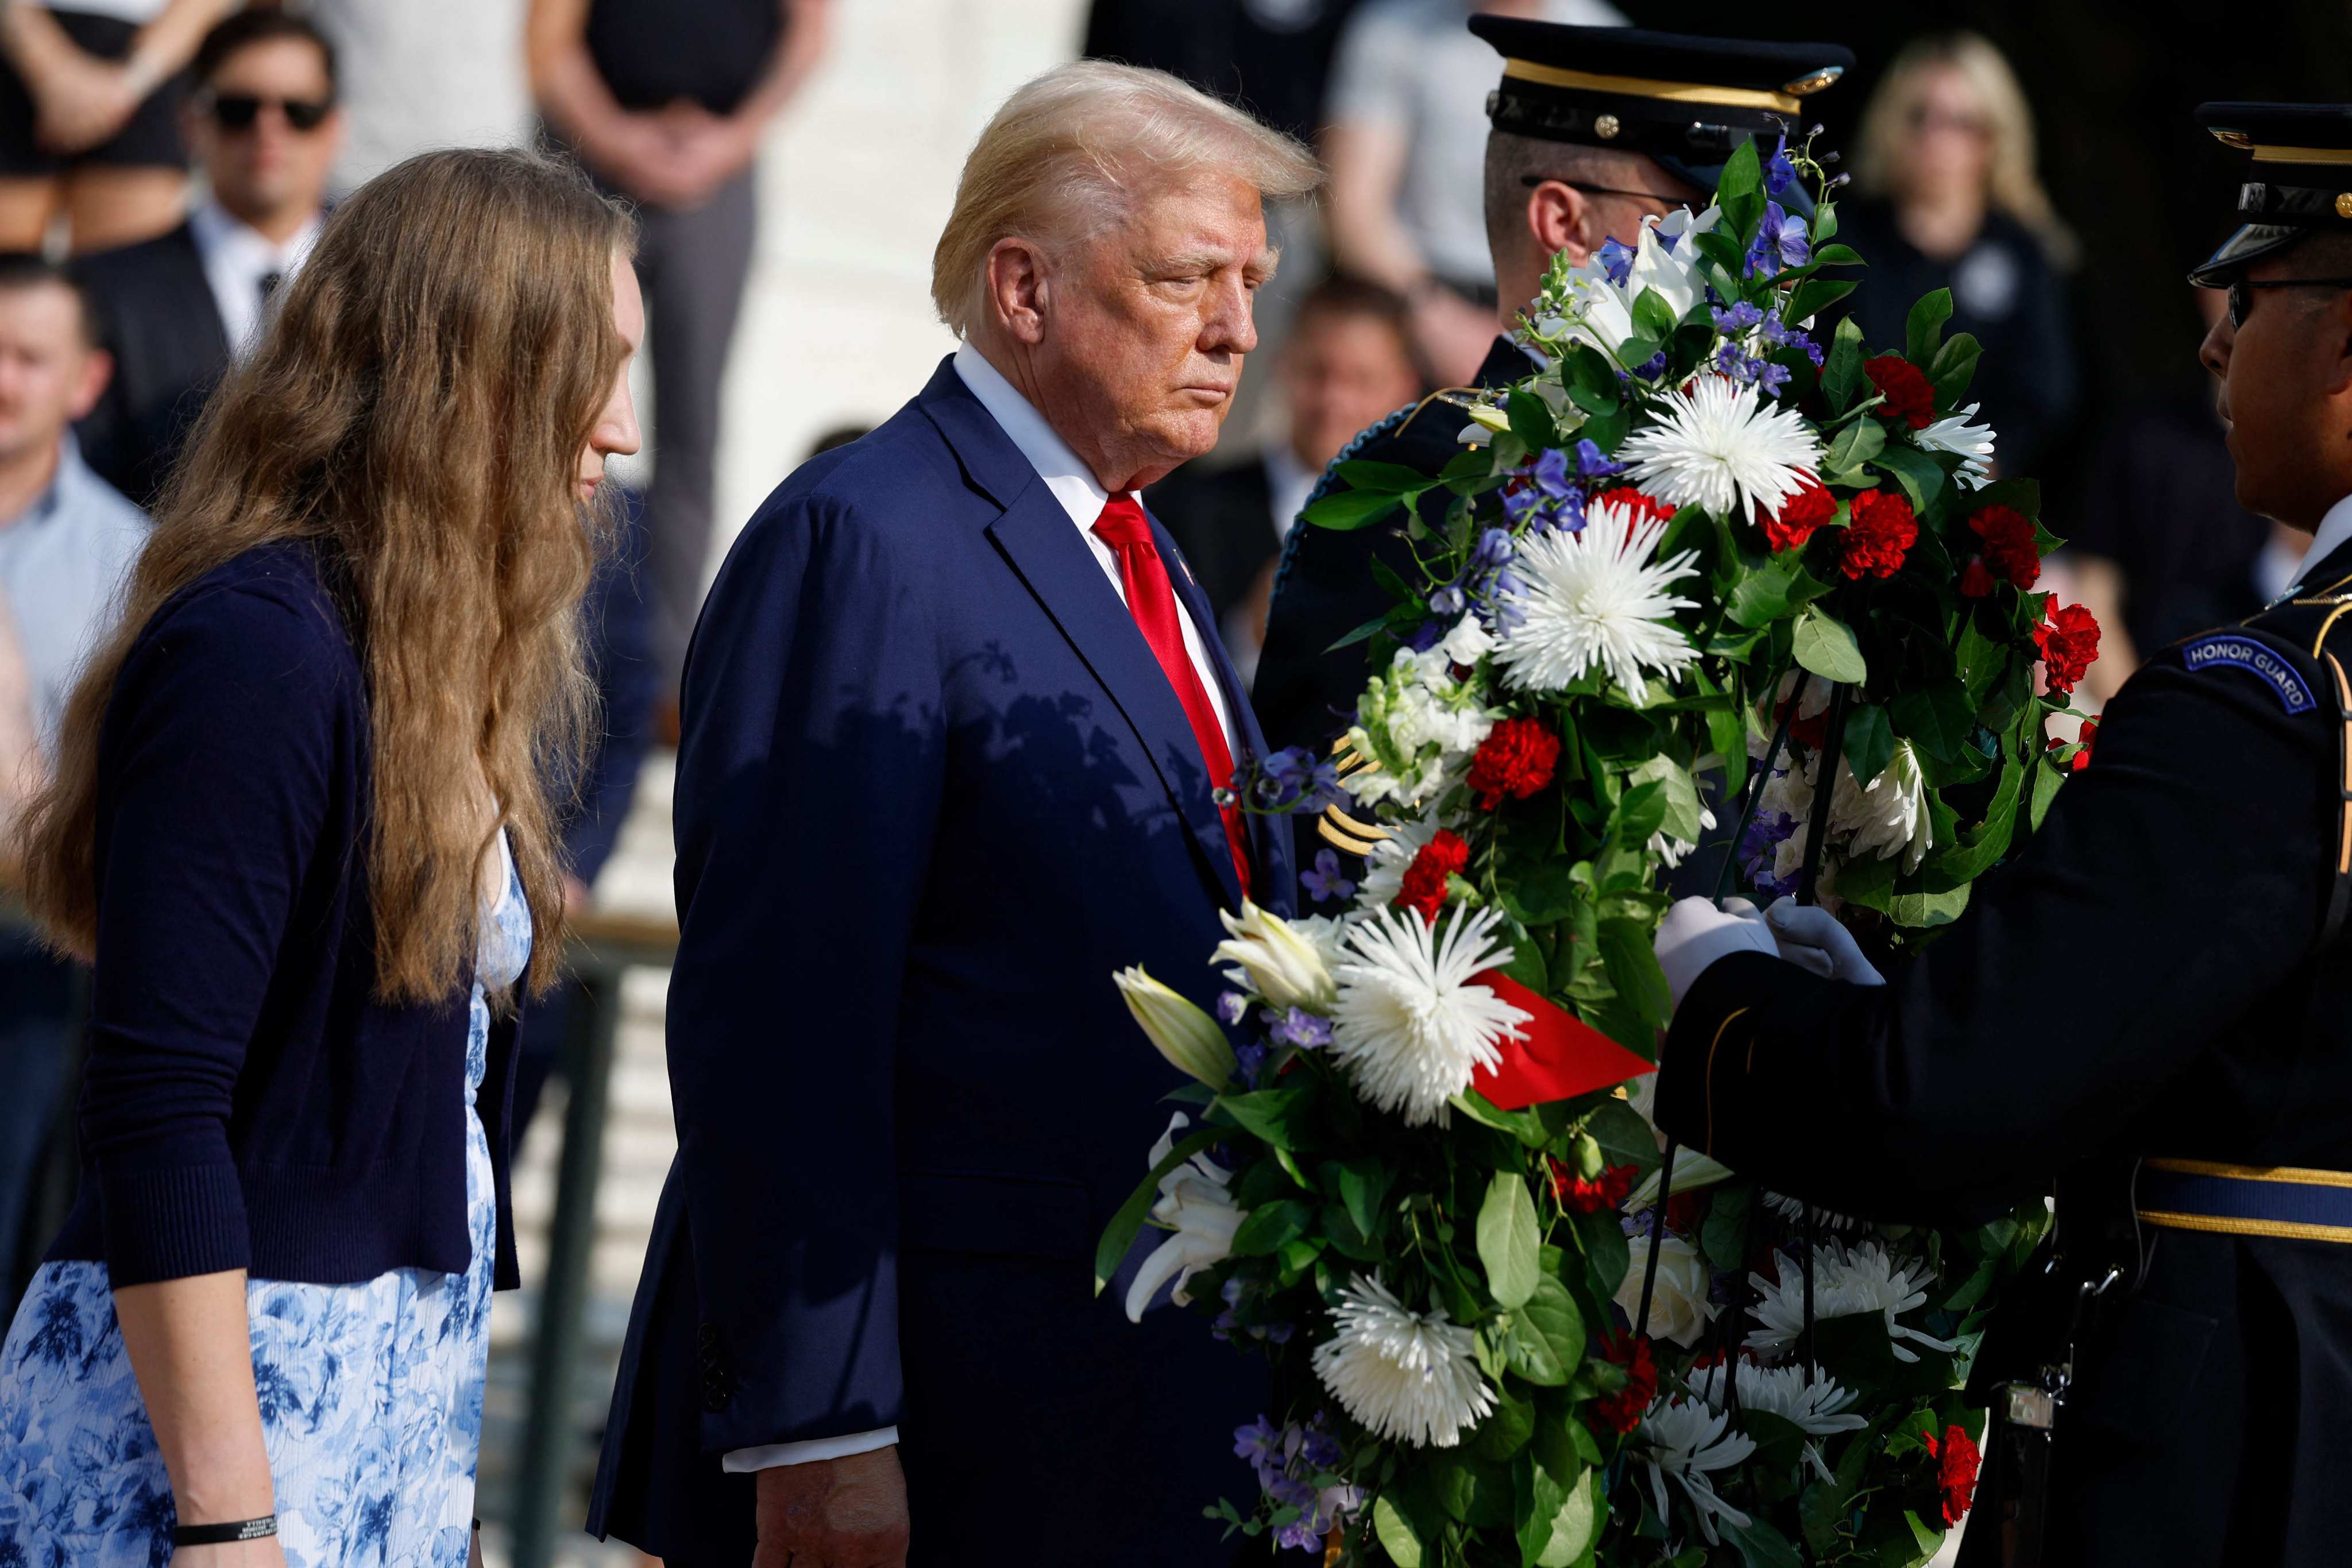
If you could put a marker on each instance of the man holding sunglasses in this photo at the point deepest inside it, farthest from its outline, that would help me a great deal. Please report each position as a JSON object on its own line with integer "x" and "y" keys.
{"x": 1592, "y": 130}
{"x": 2150, "y": 1008}
{"x": 263, "y": 127}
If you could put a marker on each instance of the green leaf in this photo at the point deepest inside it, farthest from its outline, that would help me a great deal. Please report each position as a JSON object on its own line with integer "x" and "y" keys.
{"x": 1869, "y": 883}
{"x": 1627, "y": 950}
{"x": 1926, "y": 910}
{"x": 1929, "y": 1541}
{"x": 1974, "y": 854}
{"x": 1274, "y": 1115}
{"x": 1267, "y": 1228}
{"x": 1739, "y": 191}
{"x": 1869, "y": 741}
{"x": 1348, "y": 511}
{"x": 1955, "y": 367}
{"x": 1679, "y": 790}
{"x": 1386, "y": 479}
{"x": 1837, "y": 256}
{"x": 1653, "y": 316}
{"x": 1858, "y": 443}
{"x": 1724, "y": 1236}
{"x": 1842, "y": 375}
{"x": 1531, "y": 420}
{"x": 1507, "y": 1239}
{"x": 1503, "y": 1432}
{"x": 1536, "y": 1503}
{"x": 1528, "y": 1352}
{"x": 1364, "y": 1185}
{"x": 1815, "y": 295}
{"x": 1553, "y": 1314}
{"x": 1980, "y": 658}
{"x": 1543, "y": 893}
{"x": 1396, "y": 1536}
{"x": 1767, "y": 593}
{"x": 2046, "y": 780}
{"x": 1639, "y": 810}
{"x": 1607, "y": 430}
{"x": 1826, "y": 646}
{"x": 1577, "y": 1526}
{"x": 1638, "y": 351}
{"x": 1920, "y": 475}
{"x": 1761, "y": 1545}
{"x": 1924, "y": 329}
{"x": 1936, "y": 718}
{"x": 1127, "y": 1223}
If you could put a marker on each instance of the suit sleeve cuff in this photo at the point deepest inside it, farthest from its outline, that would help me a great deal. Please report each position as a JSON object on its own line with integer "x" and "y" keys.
{"x": 743, "y": 1461}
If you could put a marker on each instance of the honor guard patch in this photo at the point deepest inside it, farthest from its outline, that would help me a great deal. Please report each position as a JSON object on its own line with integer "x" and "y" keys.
{"x": 2248, "y": 653}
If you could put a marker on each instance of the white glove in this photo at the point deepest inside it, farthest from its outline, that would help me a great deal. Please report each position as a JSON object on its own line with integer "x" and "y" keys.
{"x": 1695, "y": 933}
{"x": 1814, "y": 940}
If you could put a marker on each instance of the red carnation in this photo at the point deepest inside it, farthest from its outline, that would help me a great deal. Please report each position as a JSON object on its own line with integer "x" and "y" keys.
{"x": 2085, "y": 741}
{"x": 1793, "y": 523}
{"x": 1976, "y": 583}
{"x": 1577, "y": 1195}
{"x": 1881, "y": 535}
{"x": 1956, "y": 1459}
{"x": 2009, "y": 548}
{"x": 2069, "y": 641}
{"x": 1425, "y": 880}
{"x": 1623, "y": 1411}
{"x": 1645, "y": 507}
{"x": 1685, "y": 1210}
{"x": 1908, "y": 396}
{"x": 1517, "y": 759}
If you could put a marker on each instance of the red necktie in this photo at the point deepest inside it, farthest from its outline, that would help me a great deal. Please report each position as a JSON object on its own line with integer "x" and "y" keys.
{"x": 1152, "y": 601}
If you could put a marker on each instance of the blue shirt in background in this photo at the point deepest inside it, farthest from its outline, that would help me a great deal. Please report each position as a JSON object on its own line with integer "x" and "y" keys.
{"x": 63, "y": 564}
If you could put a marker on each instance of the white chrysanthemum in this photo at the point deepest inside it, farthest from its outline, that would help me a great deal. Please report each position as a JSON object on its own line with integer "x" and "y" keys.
{"x": 1888, "y": 816}
{"x": 1847, "y": 1281}
{"x": 1972, "y": 442}
{"x": 1328, "y": 932}
{"x": 1683, "y": 1440}
{"x": 1411, "y": 1377}
{"x": 1408, "y": 1025}
{"x": 1596, "y": 599}
{"x": 1196, "y": 1203}
{"x": 1820, "y": 1405}
{"x": 1723, "y": 446}
{"x": 1793, "y": 1211}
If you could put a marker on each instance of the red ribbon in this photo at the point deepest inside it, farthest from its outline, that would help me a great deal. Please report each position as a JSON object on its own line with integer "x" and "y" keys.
{"x": 1559, "y": 1055}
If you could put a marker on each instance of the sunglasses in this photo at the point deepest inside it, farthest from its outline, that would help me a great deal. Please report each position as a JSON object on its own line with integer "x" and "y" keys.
{"x": 1532, "y": 181}
{"x": 1924, "y": 118}
{"x": 239, "y": 111}
{"x": 2241, "y": 292}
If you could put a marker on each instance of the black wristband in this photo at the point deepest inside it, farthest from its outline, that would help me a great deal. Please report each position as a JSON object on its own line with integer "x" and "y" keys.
{"x": 226, "y": 1534}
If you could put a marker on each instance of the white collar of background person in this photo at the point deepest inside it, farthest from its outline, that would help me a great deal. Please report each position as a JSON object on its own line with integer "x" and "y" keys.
{"x": 1081, "y": 495}
{"x": 238, "y": 260}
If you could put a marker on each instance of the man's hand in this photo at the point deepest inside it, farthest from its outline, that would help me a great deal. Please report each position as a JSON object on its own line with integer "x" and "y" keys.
{"x": 834, "y": 1513}
{"x": 1695, "y": 933}
{"x": 1812, "y": 938}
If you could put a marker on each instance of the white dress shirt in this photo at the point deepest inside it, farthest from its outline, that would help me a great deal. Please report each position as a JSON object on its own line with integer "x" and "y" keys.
{"x": 236, "y": 258}
{"x": 2335, "y": 531}
{"x": 1082, "y": 495}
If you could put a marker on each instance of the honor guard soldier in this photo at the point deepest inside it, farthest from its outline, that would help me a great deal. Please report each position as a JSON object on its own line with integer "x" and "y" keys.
{"x": 2151, "y": 1009}
{"x": 1594, "y": 130}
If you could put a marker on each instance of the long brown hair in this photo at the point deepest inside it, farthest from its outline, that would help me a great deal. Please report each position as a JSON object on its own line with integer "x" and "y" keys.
{"x": 415, "y": 413}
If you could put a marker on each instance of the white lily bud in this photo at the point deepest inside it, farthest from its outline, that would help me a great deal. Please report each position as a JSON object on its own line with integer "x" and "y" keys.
{"x": 1282, "y": 965}
{"x": 1188, "y": 1037}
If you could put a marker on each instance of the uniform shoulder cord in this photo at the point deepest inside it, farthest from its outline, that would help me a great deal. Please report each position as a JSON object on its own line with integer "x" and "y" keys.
{"x": 2339, "y": 895}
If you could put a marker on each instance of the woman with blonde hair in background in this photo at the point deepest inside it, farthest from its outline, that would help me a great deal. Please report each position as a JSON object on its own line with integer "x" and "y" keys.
{"x": 299, "y": 825}
{"x": 1950, "y": 199}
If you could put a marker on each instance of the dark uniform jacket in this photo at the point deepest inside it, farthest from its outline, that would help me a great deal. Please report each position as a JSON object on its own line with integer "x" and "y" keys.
{"x": 1305, "y": 692}
{"x": 2147, "y": 980}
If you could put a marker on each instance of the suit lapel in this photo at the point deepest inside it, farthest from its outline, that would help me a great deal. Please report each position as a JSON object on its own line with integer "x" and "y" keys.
{"x": 1044, "y": 547}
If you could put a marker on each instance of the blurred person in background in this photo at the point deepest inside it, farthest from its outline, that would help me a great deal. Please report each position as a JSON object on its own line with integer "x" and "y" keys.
{"x": 89, "y": 97}
{"x": 417, "y": 76}
{"x": 68, "y": 540}
{"x": 302, "y": 823}
{"x": 1269, "y": 57}
{"x": 1950, "y": 198}
{"x": 1350, "y": 359}
{"x": 176, "y": 311}
{"x": 666, "y": 101}
{"x": 2161, "y": 549}
{"x": 1405, "y": 140}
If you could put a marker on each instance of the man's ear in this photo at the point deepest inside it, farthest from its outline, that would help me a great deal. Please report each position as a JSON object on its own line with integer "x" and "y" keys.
{"x": 1018, "y": 288}
{"x": 98, "y": 369}
{"x": 2337, "y": 325}
{"x": 1561, "y": 217}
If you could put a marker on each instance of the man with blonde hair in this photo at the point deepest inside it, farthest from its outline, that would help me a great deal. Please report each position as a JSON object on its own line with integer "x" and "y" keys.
{"x": 954, "y": 720}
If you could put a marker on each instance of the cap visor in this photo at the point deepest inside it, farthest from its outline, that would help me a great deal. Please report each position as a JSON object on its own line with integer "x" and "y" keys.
{"x": 2242, "y": 250}
{"x": 1704, "y": 177}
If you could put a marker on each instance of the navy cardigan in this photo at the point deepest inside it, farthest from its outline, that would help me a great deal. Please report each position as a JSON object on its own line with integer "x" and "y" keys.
{"x": 248, "y": 1103}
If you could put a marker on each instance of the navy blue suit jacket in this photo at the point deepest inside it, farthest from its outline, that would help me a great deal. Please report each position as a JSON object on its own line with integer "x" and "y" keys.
{"x": 933, "y": 790}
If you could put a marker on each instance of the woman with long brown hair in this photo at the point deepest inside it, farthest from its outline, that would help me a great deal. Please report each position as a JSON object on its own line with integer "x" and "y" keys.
{"x": 299, "y": 825}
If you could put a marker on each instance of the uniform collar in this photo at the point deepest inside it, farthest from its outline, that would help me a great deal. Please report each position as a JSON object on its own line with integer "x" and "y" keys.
{"x": 1072, "y": 484}
{"x": 2334, "y": 532}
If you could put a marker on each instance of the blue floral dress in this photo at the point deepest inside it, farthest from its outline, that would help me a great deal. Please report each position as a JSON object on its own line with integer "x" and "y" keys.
{"x": 371, "y": 1394}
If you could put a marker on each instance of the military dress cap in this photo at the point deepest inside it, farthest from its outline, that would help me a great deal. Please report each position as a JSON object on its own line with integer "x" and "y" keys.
{"x": 1687, "y": 103}
{"x": 2298, "y": 180}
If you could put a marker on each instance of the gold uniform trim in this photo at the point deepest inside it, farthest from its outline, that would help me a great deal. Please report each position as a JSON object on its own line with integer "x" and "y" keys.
{"x": 1707, "y": 1148}
{"x": 2302, "y": 155}
{"x": 1663, "y": 91}
{"x": 2301, "y": 1176}
{"x": 2288, "y": 1229}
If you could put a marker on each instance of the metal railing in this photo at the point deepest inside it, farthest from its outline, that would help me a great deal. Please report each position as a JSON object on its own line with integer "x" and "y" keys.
{"x": 602, "y": 946}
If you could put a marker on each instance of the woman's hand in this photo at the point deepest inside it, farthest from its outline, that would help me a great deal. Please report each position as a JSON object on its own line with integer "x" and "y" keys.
{"x": 191, "y": 1348}
{"x": 263, "y": 1553}
{"x": 81, "y": 101}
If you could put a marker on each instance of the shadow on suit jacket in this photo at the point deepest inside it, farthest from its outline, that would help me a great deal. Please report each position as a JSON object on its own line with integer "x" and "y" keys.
{"x": 933, "y": 790}
{"x": 157, "y": 317}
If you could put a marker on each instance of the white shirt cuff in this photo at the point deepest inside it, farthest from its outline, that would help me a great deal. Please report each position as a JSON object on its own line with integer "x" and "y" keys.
{"x": 743, "y": 1461}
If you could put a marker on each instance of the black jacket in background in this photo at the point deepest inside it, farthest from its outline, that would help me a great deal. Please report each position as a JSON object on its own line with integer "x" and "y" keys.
{"x": 1223, "y": 521}
{"x": 156, "y": 316}
{"x": 2005, "y": 293}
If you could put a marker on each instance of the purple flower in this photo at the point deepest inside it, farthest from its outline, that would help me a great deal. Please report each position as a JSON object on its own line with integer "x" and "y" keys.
{"x": 1318, "y": 1448}
{"x": 1232, "y": 1007}
{"x": 1427, "y": 635}
{"x": 1593, "y": 463}
{"x": 1652, "y": 367}
{"x": 1759, "y": 848}
{"x": 1323, "y": 880}
{"x": 1304, "y": 1029}
{"x": 1260, "y": 1443}
{"x": 1781, "y": 241}
{"x": 1493, "y": 550}
{"x": 1739, "y": 319}
{"x": 1250, "y": 1057}
{"x": 1731, "y": 361}
{"x": 1773, "y": 378}
{"x": 1616, "y": 260}
{"x": 1780, "y": 172}
{"x": 1539, "y": 487}
{"x": 1783, "y": 336}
